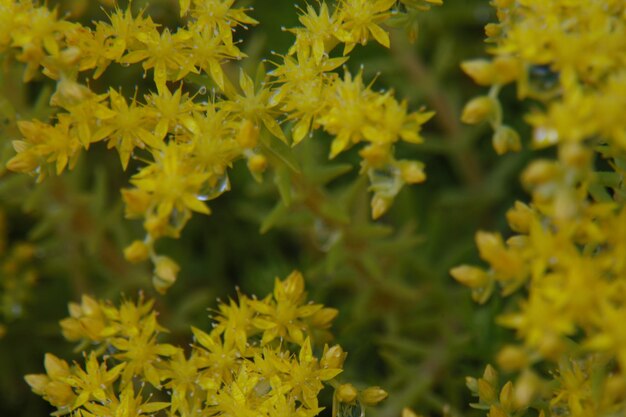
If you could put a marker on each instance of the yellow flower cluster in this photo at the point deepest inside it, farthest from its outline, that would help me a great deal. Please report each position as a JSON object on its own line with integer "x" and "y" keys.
{"x": 568, "y": 55}
{"x": 257, "y": 360}
{"x": 567, "y": 257}
{"x": 185, "y": 144}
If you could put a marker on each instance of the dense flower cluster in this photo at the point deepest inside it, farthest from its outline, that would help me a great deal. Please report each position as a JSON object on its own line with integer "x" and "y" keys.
{"x": 185, "y": 144}
{"x": 258, "y": 359}
{"x": 567, "y": 257}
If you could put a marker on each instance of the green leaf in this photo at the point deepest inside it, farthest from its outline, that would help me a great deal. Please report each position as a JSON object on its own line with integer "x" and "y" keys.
{"x": 282, "y": 179}
{"x": 324, "y": 174}
{"x": 280, "y": 151}
{"x": 272, "y": 219}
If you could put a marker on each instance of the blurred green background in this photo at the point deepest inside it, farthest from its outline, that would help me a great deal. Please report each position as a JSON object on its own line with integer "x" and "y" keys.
{"x": 406, "y": 324}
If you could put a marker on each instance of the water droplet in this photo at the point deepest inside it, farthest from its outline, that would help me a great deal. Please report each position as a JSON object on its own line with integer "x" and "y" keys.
{"x": 325, "y": 236}
{"x": 217, "y": 188}
{"x": 543, "y": 136}
{"x": 178, "y": 219}
{"x": 202, "y": 90}
{"x": 542, "y": 80}
{"x": 386, "y": 180}
{"x": 125, "y": 64}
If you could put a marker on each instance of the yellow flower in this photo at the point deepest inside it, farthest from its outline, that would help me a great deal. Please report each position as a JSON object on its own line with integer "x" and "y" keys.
{"x": 172, "y": 182}
{"x": 141, "y": 353}
{"x": 256, "y": 105}
{"x": 94, "y": 382}
{"x": 306, "y": 376}
{"x": 286, "y": 315}
{"x": 360, "y": 20}
{"x": 166, "y": 53}
{"x": 171, "y": 111}
{"x": 127, "y": 129}
{"x": 318, "y": 32}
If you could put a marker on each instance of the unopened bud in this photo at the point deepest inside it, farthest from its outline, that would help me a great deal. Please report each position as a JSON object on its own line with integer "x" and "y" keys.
{"x": 373, "y": 395}
{"x": 248, "y": 134}
{"x": 257, "y": 163}
{"x": 165, "y": 272}
{"x": 412, "y": 172}
{"x": 481, "y": 71}
{"x": 477, "y": 110}
{"x": 380, "y": 205}
{"x": 470, "y": 276}
{"x": 346, "y": 393}
{"x": 539, "y": 172}
{"x": 520, "y": 217}
{"x": 506, "y": 139}
{"x": 333, "y": 357}
{"x": 136, "y": 252}
{"x": 155, "y": 226}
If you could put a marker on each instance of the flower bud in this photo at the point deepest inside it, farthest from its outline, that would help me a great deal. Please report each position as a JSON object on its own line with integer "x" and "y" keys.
{"x": 470, "y": 276}
{"x": 136, "y": 252}
{"x": 506, "y": 139}
{"x": 477, "y": 110}
{"x": 380, "y": 205}
{"x": 156, "y": 226}
{"x": 520, "y": 217}
{"x": 539, "y": 172}
{"x": 480, "y": 70}
{"x": 412, "y": 172}
{"x": 248, "y": 134}
{"x": 165, "y": 272}
{"x": 257, "y": 163}
{"x": 373, "y": 395}
{"x": 333, "y": 357}
{"x": 346, "y": 393}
